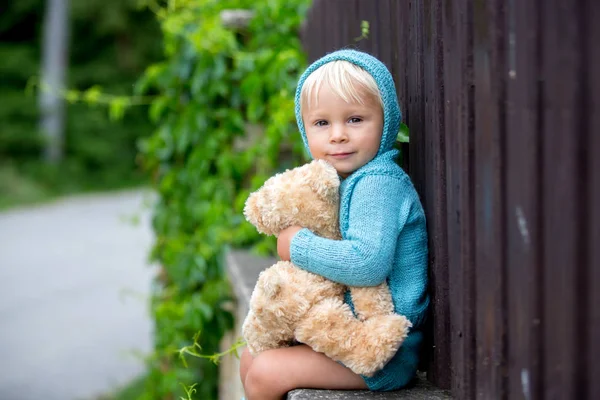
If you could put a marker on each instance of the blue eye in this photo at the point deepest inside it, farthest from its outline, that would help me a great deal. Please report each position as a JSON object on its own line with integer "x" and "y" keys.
{"x": 321, "y": 123}
{"x": 355, "y": 120}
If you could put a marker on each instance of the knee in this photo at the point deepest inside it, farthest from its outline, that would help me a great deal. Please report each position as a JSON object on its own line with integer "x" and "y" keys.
{"x": 261, "y": 380}
{"x": 245, "y": 363}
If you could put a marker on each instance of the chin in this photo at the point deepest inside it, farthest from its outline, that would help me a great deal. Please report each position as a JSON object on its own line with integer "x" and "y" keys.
{"x": 344, "y": 174}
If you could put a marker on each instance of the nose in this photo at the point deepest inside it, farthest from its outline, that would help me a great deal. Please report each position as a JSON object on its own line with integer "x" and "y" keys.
{"x": 337, "y": 134}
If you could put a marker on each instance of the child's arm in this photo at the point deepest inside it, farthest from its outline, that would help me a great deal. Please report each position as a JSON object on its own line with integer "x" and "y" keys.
{"x": 378, "y": 210}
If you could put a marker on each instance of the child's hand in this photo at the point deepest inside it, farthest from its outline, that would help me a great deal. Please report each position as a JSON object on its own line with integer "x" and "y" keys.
{"x": 284, "y": 240}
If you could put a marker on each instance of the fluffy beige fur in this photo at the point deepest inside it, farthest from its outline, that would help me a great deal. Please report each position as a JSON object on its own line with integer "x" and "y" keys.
{"x": 290, "y": 305}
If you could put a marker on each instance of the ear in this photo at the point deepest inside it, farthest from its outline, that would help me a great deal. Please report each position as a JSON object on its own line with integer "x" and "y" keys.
{"x": 259, "y": 209}
{"x": 252, "y": 211}
{"x": 324, "y": 180}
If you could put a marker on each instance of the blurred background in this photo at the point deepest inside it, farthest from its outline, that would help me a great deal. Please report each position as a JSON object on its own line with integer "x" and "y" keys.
{"x": 131, "y": 133}
{"x": 74, "y": 271}
{"x": 103, "y": 44}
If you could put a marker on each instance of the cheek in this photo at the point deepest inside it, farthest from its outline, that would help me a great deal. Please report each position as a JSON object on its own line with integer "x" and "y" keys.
{"x": 315, "y": 145}
{"x": 371, "y": 144}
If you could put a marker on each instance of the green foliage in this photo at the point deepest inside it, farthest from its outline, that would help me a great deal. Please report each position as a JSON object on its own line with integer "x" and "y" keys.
{"x": 111, "y": 43}
{"x": 214, "y": 87}
{"x": 364, "y": 31}
{"x": 403, "y": 134}
{"x": 195, "y": 351}
{"x": 17, "y": 189}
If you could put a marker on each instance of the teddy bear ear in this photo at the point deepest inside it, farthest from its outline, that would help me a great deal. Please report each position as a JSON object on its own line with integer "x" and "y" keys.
{"x": 251, "y": 210}
{"x": 257, "y": 210}
{"x": 324, "y": 180}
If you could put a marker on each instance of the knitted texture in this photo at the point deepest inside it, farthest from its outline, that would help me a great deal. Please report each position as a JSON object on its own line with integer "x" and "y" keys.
{"x": 385, "y": 82}
{"x": 383, "y": 229}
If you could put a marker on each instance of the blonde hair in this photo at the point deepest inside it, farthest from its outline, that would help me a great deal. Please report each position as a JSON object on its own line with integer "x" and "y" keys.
{"x": 346, "y": 79}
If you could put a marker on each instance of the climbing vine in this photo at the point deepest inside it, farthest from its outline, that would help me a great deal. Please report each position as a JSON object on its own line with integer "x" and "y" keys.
{"x": 223, "y": 110}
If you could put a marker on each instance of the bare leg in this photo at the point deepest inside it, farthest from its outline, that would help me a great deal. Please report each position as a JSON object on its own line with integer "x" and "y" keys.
{"x": 273, "y": 373}
{"x": 245, "y": 363}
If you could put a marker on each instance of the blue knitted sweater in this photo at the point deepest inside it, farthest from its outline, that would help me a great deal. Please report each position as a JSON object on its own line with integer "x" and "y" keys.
{"x": 383, "y": 230}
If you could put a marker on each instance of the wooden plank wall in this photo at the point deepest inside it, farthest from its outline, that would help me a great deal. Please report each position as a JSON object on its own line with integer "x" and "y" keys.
{"x": 502, "y": 101}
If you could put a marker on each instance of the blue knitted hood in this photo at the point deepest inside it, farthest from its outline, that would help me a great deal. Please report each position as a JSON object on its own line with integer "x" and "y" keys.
{"x": 385, "y": 82}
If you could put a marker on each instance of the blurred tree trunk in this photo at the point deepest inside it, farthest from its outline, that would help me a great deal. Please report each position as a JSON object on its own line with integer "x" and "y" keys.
{"x": 54, "y": 66}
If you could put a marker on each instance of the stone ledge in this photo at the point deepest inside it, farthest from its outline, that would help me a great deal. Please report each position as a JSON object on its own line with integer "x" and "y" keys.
{"x": 421, "y": 390}
{"x": 243, "y": 269}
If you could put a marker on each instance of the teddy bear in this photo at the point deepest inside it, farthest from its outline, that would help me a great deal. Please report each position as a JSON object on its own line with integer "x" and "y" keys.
{"x": 290, "y": 305}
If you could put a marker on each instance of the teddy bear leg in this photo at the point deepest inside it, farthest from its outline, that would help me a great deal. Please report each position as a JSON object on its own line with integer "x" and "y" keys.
{"x": 259, "y": 337}
{"x": 364, "y": 347}
{"x": 371, "y": 301}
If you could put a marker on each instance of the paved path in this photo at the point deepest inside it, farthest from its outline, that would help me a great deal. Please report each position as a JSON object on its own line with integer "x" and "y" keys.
{"x": 68, "y": 321}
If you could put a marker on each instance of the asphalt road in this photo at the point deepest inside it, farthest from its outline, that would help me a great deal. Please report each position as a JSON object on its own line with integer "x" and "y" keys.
{"x": 74, "y": 284}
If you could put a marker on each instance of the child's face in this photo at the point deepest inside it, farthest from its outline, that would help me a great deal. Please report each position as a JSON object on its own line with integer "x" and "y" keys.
{"x": 347, "y": 135}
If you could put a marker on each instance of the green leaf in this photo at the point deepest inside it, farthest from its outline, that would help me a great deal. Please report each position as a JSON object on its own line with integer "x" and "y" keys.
{"x": 72, "y": 96}
{"x": 118, "y": 107}
{"x": 403, "y": 134}
{"x": 92, "y": 94}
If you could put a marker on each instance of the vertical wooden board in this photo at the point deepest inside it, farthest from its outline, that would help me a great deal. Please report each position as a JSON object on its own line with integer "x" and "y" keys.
{"x": 360, "y": 43}
{"x": 400, "y": 54}
{"x": 334, "y": 26}
{"x": 434, "y": 197}
{"x": 451, "y": 66}
{"x": 394, "y": 45}
{"x": 562, "y": 197}
{"x": 489, "y": 197}
{"x": 369, "y": 9}
{"x": 466, "y": 151}
{"x": 426, "y": 194}
{"x": 327, "y": 26}
{"x": 524, "y": 202}
{"x": 458, "y": 90}
{"x": 348, "y": 8}
{"x": 337, "y": 26}
{"x": 322, "y": 29}
{"x": 385, "y": 32}
{"x": 593, "y": 137}
{"x": 351, "y": 9}
{"x": 415, "y": 107}
{"x": 315, "y": 29}
{"x": 358, "y": 17}
{"x": 343, "y": 17}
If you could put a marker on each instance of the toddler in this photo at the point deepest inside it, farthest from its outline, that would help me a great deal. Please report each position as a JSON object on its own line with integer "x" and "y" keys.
{"x": 348, "y": 114}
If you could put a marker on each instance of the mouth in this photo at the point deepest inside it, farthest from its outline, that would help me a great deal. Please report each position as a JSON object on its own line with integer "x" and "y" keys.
{"x": 340, "y": 156}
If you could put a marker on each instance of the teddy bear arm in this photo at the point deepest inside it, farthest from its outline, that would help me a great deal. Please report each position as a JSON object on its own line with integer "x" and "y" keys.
{"x": 259, "y": 337}
{"x": 372, "y": 300}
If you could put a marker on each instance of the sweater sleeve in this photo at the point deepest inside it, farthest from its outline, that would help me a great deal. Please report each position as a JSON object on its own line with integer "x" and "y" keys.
{"x": 379, "y": 207}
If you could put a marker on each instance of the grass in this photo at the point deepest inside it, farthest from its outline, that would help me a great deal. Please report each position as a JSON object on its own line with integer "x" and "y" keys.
{"x": 16, "y": 189}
